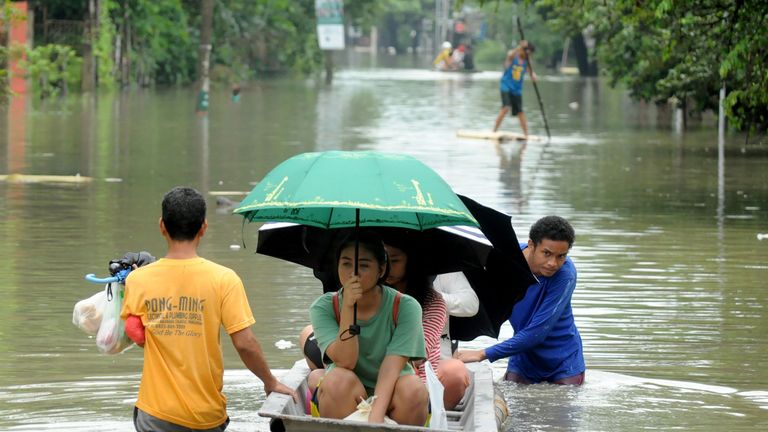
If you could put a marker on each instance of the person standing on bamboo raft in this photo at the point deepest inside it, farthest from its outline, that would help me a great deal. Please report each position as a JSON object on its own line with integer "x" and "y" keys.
{"x": 511, "y": 85}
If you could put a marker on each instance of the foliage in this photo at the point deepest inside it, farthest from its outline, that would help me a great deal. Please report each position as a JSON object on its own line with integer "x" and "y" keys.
{"x": 367, "y": 13}
{"x": 53, "y": 68}
{"x": 490, "y": 53}
{"x": 163, "y": 49}
{"x": 682, "y": 50}
{"x": 265, "y": 36}
{"x": 63, "y": 9}
{"x": 745, "y": 67}
{"x": 397, "y": 20}
{"x": 502, "y": 27}
{"x": 8, "y": 15}
{"x": 105, "y": 44}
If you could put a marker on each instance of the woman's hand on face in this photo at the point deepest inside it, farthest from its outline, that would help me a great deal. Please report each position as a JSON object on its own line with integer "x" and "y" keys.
{"x": 353, "y": 290}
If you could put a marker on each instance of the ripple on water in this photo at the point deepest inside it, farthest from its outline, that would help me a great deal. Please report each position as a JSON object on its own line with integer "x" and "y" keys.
{"x": 611, "y": 402}
{"x": 97, "y": 404}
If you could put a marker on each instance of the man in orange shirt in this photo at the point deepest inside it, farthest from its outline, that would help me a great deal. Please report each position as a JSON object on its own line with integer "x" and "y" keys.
{"x": 182, "y": 301}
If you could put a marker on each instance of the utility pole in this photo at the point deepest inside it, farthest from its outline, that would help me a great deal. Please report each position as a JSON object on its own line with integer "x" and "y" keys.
{"x": 442, "y": 8}
{"x": 330, "y": 31}
{"x": 204, "y": 56}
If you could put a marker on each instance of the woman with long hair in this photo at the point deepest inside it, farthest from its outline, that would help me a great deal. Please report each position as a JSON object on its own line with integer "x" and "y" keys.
{"x": 377, "y": 361}
{"x": 405, "y": 276}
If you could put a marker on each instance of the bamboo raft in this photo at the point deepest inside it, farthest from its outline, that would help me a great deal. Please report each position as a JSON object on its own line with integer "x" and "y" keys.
{"x": 495, "y": 136}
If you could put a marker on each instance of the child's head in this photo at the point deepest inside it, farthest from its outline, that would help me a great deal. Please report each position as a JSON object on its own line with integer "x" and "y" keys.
{"x": 183, "y": 213}
{"x": 405, "y": 271}
{"x": 372, "y": 258}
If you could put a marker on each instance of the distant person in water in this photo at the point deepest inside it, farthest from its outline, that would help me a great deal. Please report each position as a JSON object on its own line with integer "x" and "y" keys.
{"x": 546, "y": 346}
{"x": 457, "y": 57}
{"x": 444, "y": 60}
{"x": 511, "y": 85}
{"x": 469, "y": 59}
{"x": 236, "y": 93}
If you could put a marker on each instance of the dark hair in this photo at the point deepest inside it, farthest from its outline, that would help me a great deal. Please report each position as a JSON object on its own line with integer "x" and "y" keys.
{"x": 370, "y": 241}
{"x": 183, "y": 213}
{"x": 531, "y": 47}
{"x": 418, "y": 283}
{"x": 552, "y": 228}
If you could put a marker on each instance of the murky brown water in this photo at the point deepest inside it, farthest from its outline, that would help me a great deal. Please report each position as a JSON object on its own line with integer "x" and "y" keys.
{"x": 672, "y": 277}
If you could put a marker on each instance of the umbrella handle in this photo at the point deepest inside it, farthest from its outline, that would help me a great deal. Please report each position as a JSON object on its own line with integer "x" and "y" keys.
{"x": 354, "y": 329}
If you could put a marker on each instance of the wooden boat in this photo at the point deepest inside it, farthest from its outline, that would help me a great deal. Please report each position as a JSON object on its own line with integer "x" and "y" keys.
{"x": 495, "y": 136}
{"x": 481, "y": 409}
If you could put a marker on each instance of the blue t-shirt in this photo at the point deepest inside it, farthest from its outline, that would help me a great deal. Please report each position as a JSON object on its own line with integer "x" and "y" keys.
{"x": 546, "y": 345}
{"x": 512, "y": 79}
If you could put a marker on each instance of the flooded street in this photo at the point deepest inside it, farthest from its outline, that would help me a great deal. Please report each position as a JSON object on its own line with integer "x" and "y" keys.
{"x": 672, "y": 292}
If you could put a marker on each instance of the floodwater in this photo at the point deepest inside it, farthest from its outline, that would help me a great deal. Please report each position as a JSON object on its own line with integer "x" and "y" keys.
{"x": 671, "y": 300}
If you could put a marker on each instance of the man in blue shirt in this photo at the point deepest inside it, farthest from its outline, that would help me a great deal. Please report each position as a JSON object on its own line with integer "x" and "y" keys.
{"x": 511, "y": 86}
{"x": 546, "y": 346}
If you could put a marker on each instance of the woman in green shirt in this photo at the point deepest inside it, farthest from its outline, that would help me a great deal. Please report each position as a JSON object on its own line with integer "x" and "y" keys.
{"x": 377, "y": 361}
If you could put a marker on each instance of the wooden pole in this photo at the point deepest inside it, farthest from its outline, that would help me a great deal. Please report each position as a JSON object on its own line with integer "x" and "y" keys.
{"x": 328, "y": 62}
{"x": 535, "y": 86}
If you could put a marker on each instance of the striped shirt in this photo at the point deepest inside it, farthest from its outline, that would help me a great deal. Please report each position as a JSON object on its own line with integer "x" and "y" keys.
{"x": 434, "y": 314}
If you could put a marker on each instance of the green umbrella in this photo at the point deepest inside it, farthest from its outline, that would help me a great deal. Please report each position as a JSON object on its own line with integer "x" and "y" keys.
{"x": 324, "y": 190}
{"x": 340, "y": 189}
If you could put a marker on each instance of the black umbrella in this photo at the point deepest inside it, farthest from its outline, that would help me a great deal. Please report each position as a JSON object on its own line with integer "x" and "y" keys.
{"x": 499, "y": 274}
{"x": 439, "y": 250}
{"x": 502, "y": 283}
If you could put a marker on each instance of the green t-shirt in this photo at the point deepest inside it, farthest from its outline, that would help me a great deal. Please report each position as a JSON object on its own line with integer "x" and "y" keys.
{"x": 379, "y": 336}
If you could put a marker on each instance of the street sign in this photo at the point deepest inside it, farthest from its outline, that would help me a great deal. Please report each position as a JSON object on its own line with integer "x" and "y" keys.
{"x": 330, "y": 24}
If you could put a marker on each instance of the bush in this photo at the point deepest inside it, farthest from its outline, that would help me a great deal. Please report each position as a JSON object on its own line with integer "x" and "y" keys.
{"x": 52, "y": 69}
{"x": 490, "y": 54}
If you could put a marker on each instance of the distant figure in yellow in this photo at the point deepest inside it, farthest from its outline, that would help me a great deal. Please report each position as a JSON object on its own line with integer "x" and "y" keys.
{"x": 515, "y": 66}
{"x": 443, "y": 61}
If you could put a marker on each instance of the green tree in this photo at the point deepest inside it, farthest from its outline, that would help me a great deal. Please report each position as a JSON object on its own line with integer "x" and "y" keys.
{"x": 53, "y": 69}
{"x": 159, "y": 41}
{"x": 264, "y": 37}
{"x": 503, "y": 34}
{"x": 744, "y": 67}
{"x": 8, "y": 15}
{"x": 683, "y": 50}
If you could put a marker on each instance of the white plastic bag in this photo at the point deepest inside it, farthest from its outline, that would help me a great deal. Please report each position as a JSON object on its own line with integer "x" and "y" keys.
{"x": 111, "y": 338}
{"x": 364, "y": 410}
{"x": 88, "y": 313}
{"x": 439, "y": 419}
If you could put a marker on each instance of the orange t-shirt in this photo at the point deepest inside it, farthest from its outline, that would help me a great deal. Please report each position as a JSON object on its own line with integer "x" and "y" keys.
{"x": 183, "y": 304}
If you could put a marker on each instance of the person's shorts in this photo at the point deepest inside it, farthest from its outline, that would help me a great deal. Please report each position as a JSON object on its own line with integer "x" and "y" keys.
{"x": 315, "y": 405}
{"x": 312, "y": 351}
{"x": 512, "y": 100}
{"x": 144, "y": 422}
